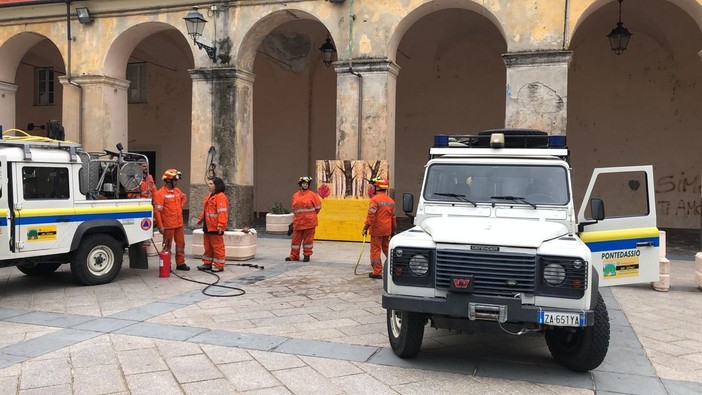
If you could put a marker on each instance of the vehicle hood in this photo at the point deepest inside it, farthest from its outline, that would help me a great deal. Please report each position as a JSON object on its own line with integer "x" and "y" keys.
{"x": 492, "y": 231}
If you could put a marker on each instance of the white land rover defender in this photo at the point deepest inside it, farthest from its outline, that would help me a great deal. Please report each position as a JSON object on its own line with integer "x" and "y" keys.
{"x": 496, "y": 239}
{"x": 60, "y": 204}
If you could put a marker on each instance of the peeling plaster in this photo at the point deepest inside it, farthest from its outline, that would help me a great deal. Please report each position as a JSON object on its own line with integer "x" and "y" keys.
{"x": 291, "y": 51}
{"x": 539, "y": 98}
{"x": 364, "y": 45}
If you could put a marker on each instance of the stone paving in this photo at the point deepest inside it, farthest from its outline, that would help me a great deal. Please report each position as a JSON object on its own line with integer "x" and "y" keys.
{"x": 308, "y": 329}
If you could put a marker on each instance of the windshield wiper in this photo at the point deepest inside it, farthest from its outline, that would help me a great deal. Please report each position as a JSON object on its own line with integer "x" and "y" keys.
{"x": 517, "y": 199}
{"x": 457, "y": 196}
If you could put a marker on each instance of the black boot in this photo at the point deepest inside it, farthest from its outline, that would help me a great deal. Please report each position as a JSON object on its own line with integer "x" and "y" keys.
{"x": 306, "y": 258}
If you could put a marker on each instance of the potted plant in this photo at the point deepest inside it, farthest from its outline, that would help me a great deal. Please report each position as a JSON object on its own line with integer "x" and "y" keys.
{"x": 278, "y": 219}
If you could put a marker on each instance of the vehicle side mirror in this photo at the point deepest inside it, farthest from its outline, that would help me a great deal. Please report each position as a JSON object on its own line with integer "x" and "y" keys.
{"x": 408, "y": 204}
{"x": 597, "y": 209}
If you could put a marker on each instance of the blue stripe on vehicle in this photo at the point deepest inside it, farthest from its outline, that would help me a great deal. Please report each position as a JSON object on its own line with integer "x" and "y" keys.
{"x": 628, "y": 244}
{"x": 80, "y": 217}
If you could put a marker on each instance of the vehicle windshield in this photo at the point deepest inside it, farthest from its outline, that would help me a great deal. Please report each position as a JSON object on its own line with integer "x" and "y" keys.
{"x": 476, "y": 183}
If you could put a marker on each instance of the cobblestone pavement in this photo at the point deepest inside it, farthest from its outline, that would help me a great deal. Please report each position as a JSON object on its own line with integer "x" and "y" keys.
{"x": 312, "y": 328}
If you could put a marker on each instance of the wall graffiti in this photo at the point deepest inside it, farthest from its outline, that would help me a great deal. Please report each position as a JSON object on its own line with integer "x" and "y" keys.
{"x": 679, "y": 196}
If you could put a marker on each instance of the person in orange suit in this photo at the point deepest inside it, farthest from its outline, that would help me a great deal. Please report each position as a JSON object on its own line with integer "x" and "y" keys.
{"x": 168, "y": 215}
{"x": 381, "y": 222}
{"x": 214, "y": 217}
{"x": 147, "y": 187}
{"x": 306, "y": 205}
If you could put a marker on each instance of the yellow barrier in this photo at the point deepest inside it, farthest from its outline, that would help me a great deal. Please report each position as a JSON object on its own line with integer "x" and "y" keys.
{"x": 342, "y": 219}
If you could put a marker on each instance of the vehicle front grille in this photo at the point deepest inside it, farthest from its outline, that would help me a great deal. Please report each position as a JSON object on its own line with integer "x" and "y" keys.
{"x": 494, "y": 274}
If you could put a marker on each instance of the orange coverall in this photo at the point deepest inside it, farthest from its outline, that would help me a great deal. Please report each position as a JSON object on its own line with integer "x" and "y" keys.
{"x": 168, "y": 215}
{"x": 381, "y": 223}
{"x": 305, "y": 205}
{"x": 147, "y": 188}
{"x": 214, "y": 216}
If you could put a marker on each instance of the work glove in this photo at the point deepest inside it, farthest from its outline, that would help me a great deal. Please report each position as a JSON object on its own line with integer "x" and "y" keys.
{"x": 290, "y": 229}
{"x": 364, "y": 232}
{"x": 220, "y": 230}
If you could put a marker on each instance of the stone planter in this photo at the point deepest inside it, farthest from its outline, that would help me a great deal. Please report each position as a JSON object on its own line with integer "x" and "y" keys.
{"x": 238, "y": 246}
{"x": 278, "y": 223}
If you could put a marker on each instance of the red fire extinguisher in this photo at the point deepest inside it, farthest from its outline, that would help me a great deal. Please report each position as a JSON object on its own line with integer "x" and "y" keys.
{"x": 164, "y": 263}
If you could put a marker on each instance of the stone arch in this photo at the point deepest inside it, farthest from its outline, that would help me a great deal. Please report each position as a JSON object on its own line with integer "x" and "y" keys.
{"x": 116, "y": 57}
{"x": 427, "y": 8}
{"x": 442, "y": 89}
{"x": 690, "y": 7}
{"x": 294, "y": 100}
{"x": 20, "y": 56}
{"x": 637, "y": 107}
{"x": 262, "y": 28}
{"x": 158, "y": 125}
{"x": 12, "y": 51}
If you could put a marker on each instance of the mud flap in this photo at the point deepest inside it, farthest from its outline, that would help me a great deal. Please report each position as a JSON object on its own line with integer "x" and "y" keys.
{"x": 138, "y": 258}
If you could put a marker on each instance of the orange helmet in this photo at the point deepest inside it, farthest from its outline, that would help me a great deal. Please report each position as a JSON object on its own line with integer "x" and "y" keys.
{"x": 171, "y": 174}
{"x": 306, "y": 179}
{"x": 380, "y": 183}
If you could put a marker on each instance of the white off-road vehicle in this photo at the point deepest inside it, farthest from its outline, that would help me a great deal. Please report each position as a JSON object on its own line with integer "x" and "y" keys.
{"x": 496, "y": 239}
{"x": 60, "y": 204}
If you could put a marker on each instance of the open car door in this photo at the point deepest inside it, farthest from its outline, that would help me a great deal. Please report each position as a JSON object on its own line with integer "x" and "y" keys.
{"x": 625, "y": 243}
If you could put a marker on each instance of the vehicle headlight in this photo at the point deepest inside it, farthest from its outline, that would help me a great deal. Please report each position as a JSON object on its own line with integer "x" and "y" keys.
{"x": 419, "y": 265}
{"x": 554, "y": 274}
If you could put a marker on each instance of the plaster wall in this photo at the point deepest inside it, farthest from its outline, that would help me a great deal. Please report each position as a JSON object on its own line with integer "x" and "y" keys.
{"x": 43, "y": 54}
{"x": 162, "y": 124}
{"x": 7, "y": 105}
{"x": 642, "y": 107}
{"x": 293, "y": 111}
{"x": 451, "y": 81}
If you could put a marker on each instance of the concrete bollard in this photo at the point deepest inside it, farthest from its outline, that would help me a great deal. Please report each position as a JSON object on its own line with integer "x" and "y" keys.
{"x": 663, "y": 283}
{"x": 698, "y": 270}
{"x": 239, "y": 246}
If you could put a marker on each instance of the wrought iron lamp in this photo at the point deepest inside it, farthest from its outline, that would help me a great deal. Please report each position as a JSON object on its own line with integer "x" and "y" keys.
{"x": 195, "y": 24}
{"x": 328, "y": 52}
{"x": 619, "y": 36}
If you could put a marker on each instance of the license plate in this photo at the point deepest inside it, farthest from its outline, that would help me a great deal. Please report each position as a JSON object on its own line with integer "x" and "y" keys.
{"x": 555, "y": 318}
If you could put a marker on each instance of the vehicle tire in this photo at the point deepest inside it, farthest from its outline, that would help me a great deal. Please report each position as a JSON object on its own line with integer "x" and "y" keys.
{"x": 97, "y": 260}
{"x": 406, "y": 331}
{"x": 40, "y": 269}
{"x": 581, "y": 349}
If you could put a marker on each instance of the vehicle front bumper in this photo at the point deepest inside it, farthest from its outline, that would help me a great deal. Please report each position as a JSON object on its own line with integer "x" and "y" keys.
{"x": 458, "y": 305}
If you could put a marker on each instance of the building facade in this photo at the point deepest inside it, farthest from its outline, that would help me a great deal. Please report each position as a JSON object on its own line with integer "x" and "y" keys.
{"x": 266, "y": 107}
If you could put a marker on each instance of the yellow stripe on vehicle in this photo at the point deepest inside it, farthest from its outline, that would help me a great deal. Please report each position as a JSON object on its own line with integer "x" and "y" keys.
{"x": 42, "y": 212}
{"x": 623, "y": 234}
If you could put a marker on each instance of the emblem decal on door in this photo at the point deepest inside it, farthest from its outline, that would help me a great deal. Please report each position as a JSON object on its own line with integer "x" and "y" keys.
{"x": 42, "y": 233}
